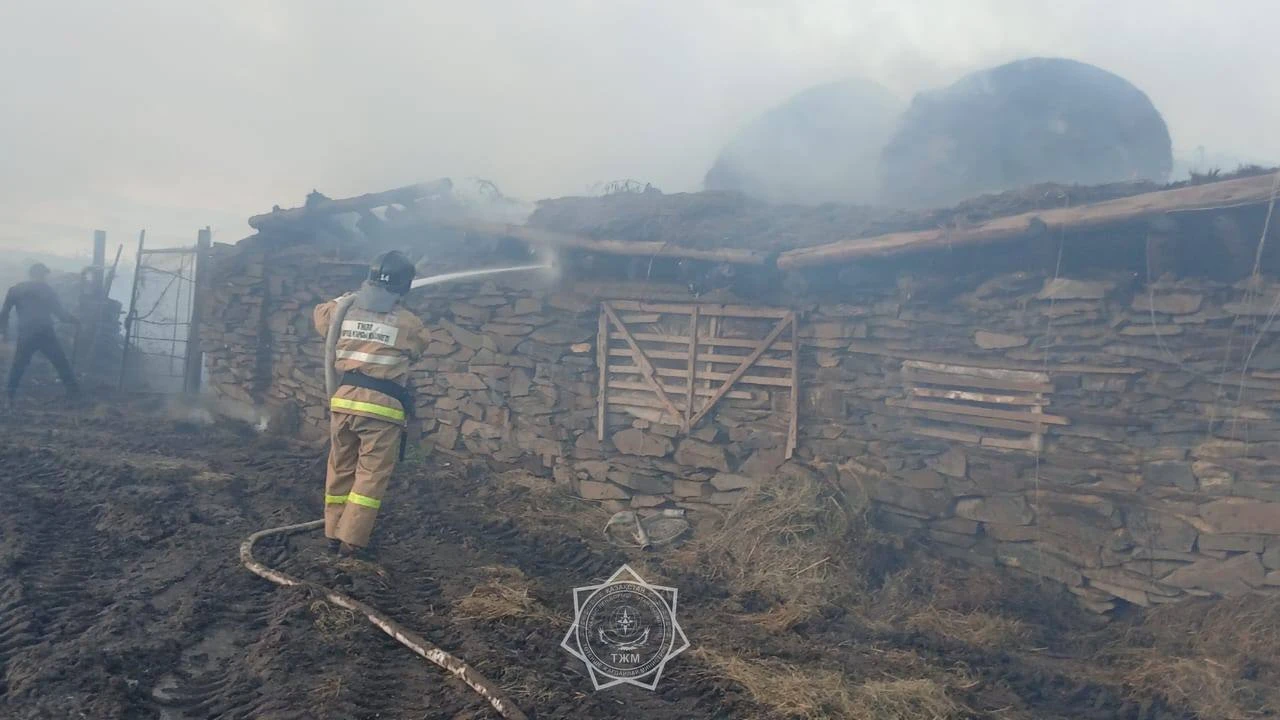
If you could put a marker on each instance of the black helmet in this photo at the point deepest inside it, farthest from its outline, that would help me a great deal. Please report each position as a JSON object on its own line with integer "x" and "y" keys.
{"x": 39, "y": 271}
{"x": 393, "y": 271}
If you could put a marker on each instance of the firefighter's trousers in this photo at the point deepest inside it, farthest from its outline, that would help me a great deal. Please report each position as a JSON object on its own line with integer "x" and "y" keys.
{"x": 362, "y": 455}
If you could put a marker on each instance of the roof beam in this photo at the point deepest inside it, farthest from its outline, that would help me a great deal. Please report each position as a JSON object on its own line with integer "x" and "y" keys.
{"x": 1225, "y": 194}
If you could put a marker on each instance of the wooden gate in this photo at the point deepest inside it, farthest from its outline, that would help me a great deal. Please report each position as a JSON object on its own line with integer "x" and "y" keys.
{"x": 674, "y": 363}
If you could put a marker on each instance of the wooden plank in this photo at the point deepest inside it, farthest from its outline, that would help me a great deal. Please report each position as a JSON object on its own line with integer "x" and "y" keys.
{"x": 400, "y": 196}
{"x": 718, "y": 342}
{"x": 679, "y": 390}
{"x": 708, "y": 358}
{"x": 870, "y": 348}
{"x": 1228, "y": 193}
{"x": 1030, "y": 417}
{"x": 742, "y": 369}
{"x": 921, "y": 376}
{"x": 713, "y": 325}
{"x": 710, "y": 310}
{"x": 648, "y": 401}
{"x": 1027, "y": 443}
{"x": 602, "y": 362}
{"x": 684, "y": 375}
{"x": 693, "y": 369}
{"x": 646, "y": 367}
{"x": 1036, "y": 400}
{"x": 638, "y": 319}
{"x": 981, "y": 422}
{"x": 793, "y": 431}
{"x": 1024, "y": 376}
{"x": 946, "y": 434}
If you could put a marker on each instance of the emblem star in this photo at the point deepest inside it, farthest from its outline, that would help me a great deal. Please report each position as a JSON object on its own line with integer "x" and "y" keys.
{"x": 572, "y": 642}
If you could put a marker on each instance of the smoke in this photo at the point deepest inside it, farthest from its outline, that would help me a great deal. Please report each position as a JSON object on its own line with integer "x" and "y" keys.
{"x": 173, "y": 116}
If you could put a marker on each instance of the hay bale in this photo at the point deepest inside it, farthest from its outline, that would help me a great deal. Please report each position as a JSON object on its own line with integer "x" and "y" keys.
{"x": 818, "y": 146}
{"x": 1038, "y": 120}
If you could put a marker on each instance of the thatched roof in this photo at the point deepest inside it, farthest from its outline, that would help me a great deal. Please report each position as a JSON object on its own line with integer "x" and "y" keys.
{"x": 729, "y": 227}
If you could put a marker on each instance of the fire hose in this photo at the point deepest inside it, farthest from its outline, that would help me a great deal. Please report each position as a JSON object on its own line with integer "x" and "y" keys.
{"x": 415, "y": 642}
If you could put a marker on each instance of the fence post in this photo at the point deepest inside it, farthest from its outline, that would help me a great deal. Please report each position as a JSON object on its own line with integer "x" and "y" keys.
{"x": 200, "y": 295}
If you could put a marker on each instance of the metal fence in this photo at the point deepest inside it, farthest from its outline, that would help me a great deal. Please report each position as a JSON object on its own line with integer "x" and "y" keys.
{"x": 161, "y": 329}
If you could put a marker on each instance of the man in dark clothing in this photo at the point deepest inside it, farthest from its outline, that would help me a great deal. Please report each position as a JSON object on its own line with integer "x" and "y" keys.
{"x": 38, "y": 306}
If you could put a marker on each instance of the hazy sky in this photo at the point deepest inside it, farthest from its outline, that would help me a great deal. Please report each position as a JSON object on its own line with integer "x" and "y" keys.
{"x": 172, "y": 115}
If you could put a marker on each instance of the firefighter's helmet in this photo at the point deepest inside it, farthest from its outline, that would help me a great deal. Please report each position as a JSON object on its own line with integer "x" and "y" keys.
{"x": 393, "y": 271}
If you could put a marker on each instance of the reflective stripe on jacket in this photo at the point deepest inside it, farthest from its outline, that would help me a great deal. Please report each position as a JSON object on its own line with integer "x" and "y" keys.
{"x": 380, "y": 345}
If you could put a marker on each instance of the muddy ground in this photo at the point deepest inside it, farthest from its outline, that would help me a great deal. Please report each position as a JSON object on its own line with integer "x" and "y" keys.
{"x": 122, "y": 596}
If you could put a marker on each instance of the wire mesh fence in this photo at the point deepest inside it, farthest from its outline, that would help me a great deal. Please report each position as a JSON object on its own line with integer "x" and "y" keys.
{"x": 157, "y": 328}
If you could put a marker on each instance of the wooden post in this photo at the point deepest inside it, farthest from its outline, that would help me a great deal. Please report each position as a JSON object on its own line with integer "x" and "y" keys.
{"x": 99, "y": 261}
{"x": 793, "y": 429}
{"x": 133, "y": 309}
{"x": 194, "y": 357}
{"x": 693, "y": 368}
{"x": 602, "y": 361}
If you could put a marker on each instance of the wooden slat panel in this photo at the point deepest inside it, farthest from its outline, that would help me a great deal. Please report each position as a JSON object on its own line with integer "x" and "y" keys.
{"x": 764, "y": 345}
{"x": 983, "y": 412}
{"x": 684, "y": 341}
{"x": 703, "y": 357}
{"x": 646, "y": 367}
{"x": 973, "y": 382}
{"x": 1036, "y": 400}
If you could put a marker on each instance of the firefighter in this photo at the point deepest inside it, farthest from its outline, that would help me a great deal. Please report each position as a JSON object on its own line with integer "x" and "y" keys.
{"x": 38, "y": 306}
{"x": 378, "y": 341}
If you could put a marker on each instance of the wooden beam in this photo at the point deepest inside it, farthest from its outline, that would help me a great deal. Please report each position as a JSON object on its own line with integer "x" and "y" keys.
{"x": 645, "y": 366}
{"x": 551, "y": 238}
{"x": 1228, "y": 193}
{"x": 742, "y": 369}
{"x": 400, "y": 196}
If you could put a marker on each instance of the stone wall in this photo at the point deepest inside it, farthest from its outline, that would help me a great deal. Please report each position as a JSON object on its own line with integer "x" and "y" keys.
{"x": 1162, "y": 485}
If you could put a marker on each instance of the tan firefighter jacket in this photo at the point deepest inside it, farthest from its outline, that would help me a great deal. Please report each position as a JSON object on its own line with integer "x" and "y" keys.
{"x": 380, "y": 345}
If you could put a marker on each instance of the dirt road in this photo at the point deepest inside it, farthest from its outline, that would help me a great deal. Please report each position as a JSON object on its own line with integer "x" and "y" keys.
{"x": 122, "y": 596}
